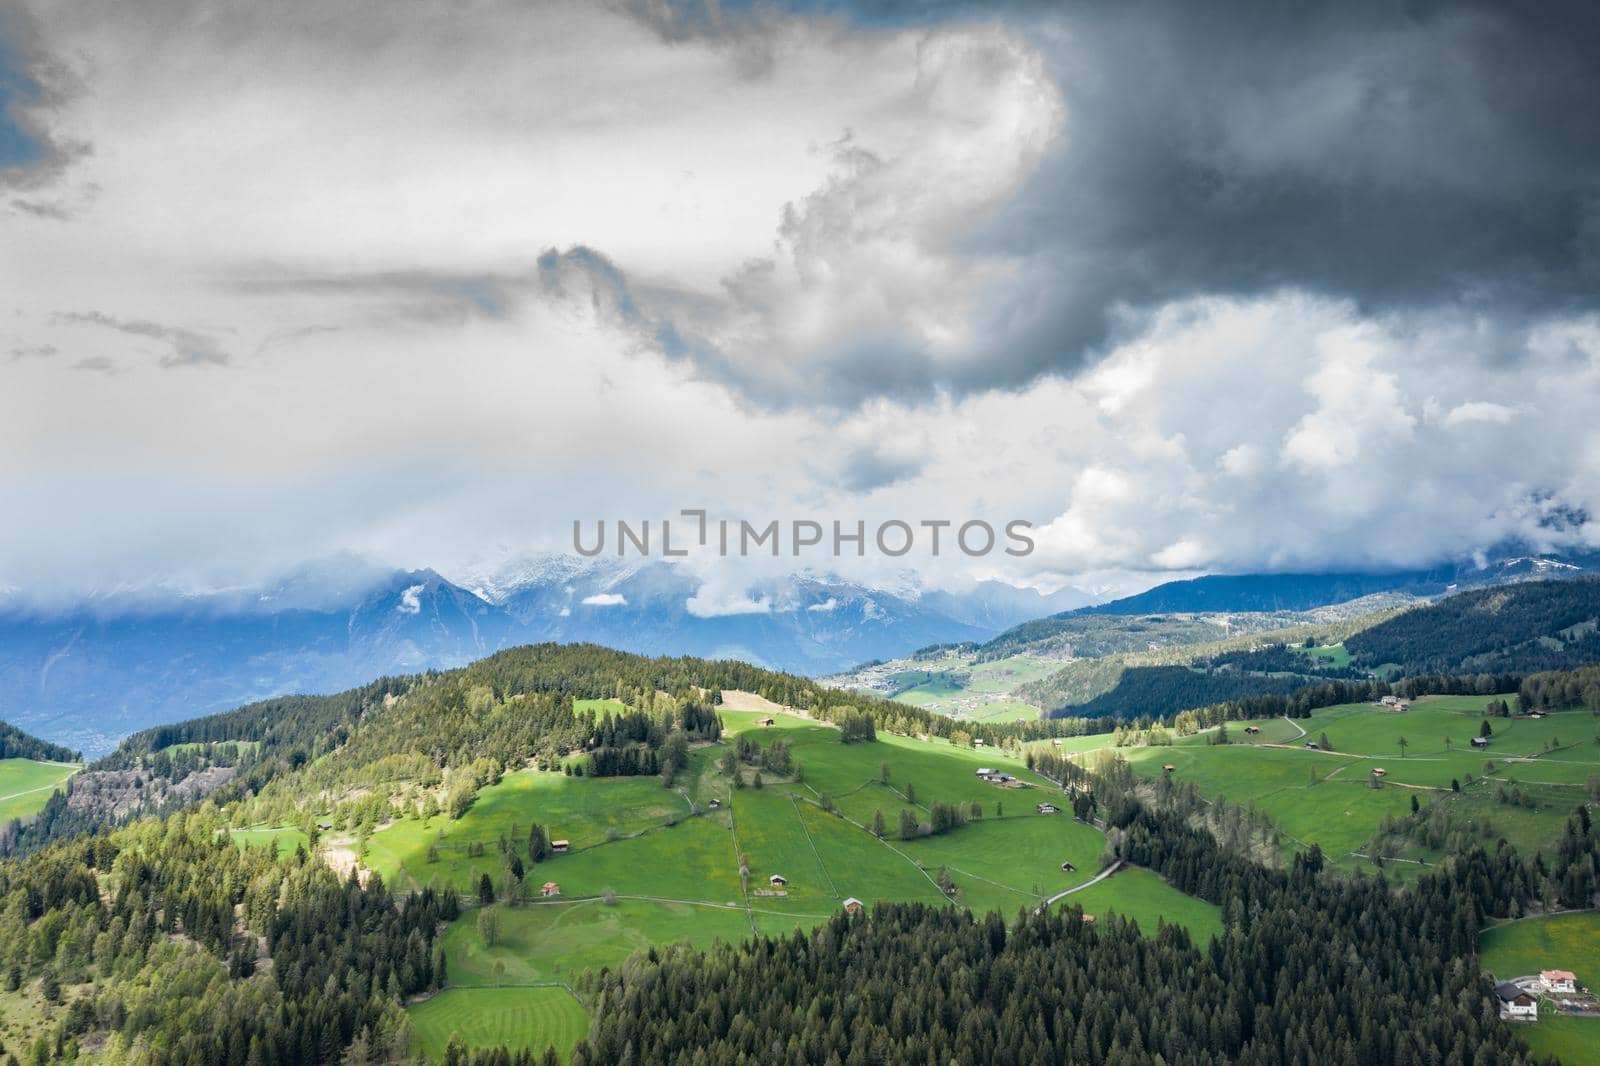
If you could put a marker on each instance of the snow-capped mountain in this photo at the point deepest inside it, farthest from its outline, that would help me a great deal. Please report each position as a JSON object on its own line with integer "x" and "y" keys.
{"x": 92, "y": 672}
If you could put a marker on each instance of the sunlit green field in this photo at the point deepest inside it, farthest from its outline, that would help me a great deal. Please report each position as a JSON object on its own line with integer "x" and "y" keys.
{"x": 1326, "y": 797}
{"x": 26, "y": 785}
{"x": 645, "y": 871}
{"x": 1557, "y": 942}
{"x": 488, "y": 1017}
{"x": 1147, "y": 899}
{"x": 288, "y": 838}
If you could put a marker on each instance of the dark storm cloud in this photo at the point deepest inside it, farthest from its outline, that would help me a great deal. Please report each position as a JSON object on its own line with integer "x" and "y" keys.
{"x": 1416, "y": 156}
{"x": 33, "y": 84}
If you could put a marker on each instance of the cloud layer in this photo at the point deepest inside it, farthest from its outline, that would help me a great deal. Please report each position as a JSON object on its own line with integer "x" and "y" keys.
{"x": 1189, "y": 286}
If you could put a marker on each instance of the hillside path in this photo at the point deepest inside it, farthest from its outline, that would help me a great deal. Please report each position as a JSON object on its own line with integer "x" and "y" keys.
{"x": 1095, "y": 880}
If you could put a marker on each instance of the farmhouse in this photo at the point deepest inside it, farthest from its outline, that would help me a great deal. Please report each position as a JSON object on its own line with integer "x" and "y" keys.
{"x": 1558, "y": 981}
{"x": 987, "y": 771}
{"x": 852, "y": 906}
{"x": 560, "y": 846}
{"x": 777, "y": 880}
{"x": 550, "y": 889}
{"x": 1047, "y": 808}
{"x": 765, "y": 721}
{"x": 1480, "y": 742}
{"x": 1515, "y": 1004}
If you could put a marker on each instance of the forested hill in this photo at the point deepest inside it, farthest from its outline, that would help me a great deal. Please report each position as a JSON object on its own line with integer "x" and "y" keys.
{"x": 1269, "y": 592}
{"x": 15, "y": 744}
{"x": 1537, "y": 625}
{"x": 498, "y": 712}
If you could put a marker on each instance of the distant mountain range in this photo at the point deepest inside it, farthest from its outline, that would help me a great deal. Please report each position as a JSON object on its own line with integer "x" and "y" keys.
{"x": 1254, "y": 593}
{"x": 88, "y": 674}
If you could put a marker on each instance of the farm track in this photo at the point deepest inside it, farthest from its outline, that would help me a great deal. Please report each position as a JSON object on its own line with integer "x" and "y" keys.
{"x": 1095, "y": 880}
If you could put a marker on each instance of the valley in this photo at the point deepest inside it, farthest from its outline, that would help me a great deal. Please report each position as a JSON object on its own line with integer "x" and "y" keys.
{"x": 556, "y": 826}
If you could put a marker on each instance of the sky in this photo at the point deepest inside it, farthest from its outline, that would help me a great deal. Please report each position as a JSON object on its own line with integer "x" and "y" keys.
{"x": 1221, "y": 287}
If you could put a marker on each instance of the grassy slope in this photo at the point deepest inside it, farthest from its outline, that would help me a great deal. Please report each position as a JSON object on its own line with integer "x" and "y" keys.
{"x": 1558, "y": 942}
{"x": 516, "y": 1017}
{"x": 288, "y": 837}
{"x": 1325, "y": 798}
{"x": 26, "y": 785}
{"x": 681, "y": 882}
{"x": 1147, "y": 899}
{"x": 692, "y": 868}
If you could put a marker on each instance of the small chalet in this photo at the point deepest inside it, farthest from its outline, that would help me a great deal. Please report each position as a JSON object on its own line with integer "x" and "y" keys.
{"x": 560, "y": 846}
{"x": 716, "y": 803}
{"x": 986, "y": 771}
{"x": 1252, "y": 729}
{"x": 1480, "y": 742}
{"x": 1536, "y": 714}
{"x": 1088, "y": 919}
{"x": 550, "y": 889}
{"x": 1067, "y": 866}
{"x": 1379, "y": 772}
{"x": 1047, "y": 808}
{"x": 1558, "y": 981}
{"x": 852, "y": 906}
{"x": 1056, "y": 742}
{"x": 765, "y": 721}
{"x": 1313, "y": 745}
{"x": 1515, "y": 1004}
{"x": 777, "y": 880}
{"x": 1167, "y": 768}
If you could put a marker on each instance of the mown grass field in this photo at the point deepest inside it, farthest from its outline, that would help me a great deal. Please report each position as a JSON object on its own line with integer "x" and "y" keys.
{"x": 674, "y": 876}
{"x": 1556, "y": 942}
{"x": 1145, "y": 898}
{"x": 515, "y": 1017}
{"x": 26, "y": 785}
{"x": 288, "y": 838}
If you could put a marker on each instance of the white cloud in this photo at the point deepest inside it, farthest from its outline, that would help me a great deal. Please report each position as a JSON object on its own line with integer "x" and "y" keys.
{"x": 411, "y": 600}
{"x": 605, "y": 599}
{"x": 1479, "y": 411}
{"x": 355, "y": 219}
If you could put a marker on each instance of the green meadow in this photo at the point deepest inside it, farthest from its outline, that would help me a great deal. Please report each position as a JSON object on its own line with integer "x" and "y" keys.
{"x": 1326, "y": 797}
{"x": 288, "y": 838}
{"x": 517, "y": 1018}
{"x": 651, "y": 866}
{"x": 1145, "y": 898}
{"x": 26, "y": 785}
{"x": 1553, "y": 942}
